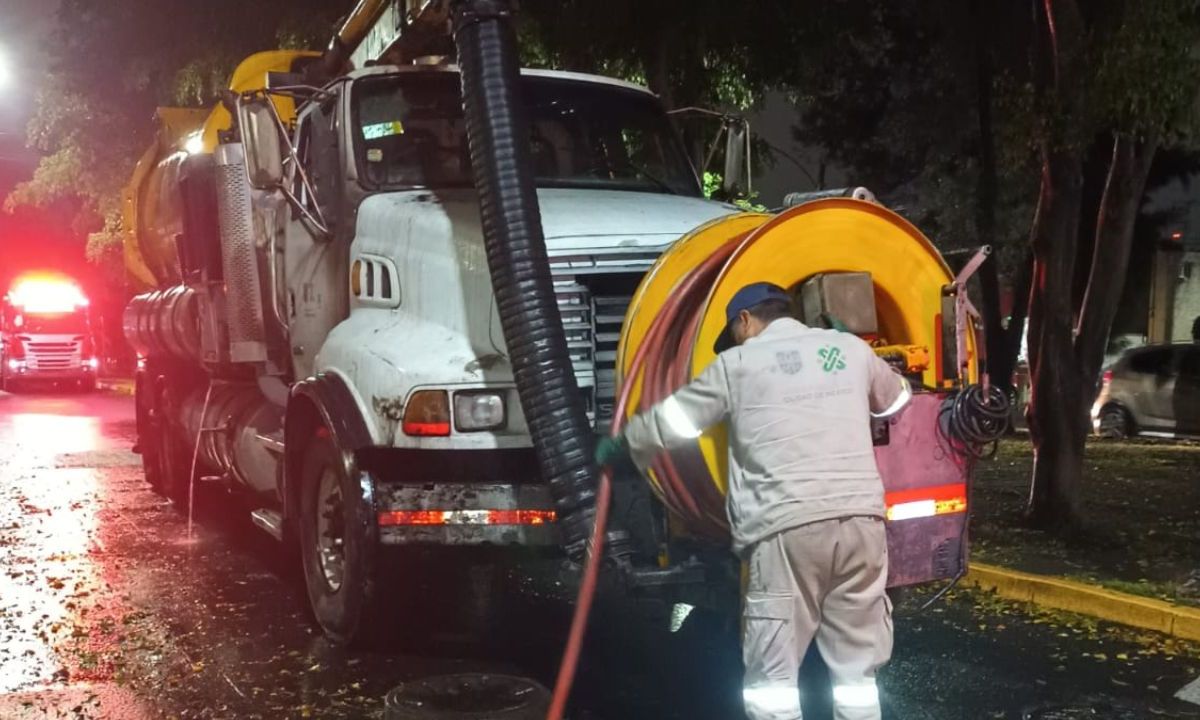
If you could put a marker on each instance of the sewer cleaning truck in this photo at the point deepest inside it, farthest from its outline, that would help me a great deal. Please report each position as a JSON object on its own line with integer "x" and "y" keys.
{"x": 46, "y": 335}
{"x": 393, "y": 290}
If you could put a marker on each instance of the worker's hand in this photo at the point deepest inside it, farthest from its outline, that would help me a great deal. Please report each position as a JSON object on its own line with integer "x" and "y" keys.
{"x": 610, "y": 449}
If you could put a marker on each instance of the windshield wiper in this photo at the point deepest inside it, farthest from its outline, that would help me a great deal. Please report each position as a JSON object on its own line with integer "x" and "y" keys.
{"x": 659, "y": 182}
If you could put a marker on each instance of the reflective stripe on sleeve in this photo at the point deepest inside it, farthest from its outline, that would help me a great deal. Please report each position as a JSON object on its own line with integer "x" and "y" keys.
{"x": 677, "y": 419}
{"x": 901, "y": 401}
{"x": 862, "y": 695}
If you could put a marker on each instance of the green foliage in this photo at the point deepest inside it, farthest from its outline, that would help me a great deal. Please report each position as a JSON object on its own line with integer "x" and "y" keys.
{"x": 1147, "y": 68}
{"x": 713, "y": 191}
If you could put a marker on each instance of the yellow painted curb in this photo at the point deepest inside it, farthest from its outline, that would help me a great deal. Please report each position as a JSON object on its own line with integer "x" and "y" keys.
{"x": 120, "y": 387}
{"x": 1052, "y": 592}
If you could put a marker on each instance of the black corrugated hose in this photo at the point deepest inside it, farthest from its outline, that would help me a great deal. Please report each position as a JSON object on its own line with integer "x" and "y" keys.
{"x": 497, "y": 131}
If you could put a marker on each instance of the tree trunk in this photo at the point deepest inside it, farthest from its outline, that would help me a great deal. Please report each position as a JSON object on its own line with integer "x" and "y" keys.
{"x": 656, "y": 58}
{"x": 1056, "y": 423}
{"x": 1115, "y": 220}
{"x": 985, "y": 204}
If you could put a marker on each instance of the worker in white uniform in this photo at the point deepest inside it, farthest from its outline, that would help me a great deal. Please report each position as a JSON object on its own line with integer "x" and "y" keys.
{"x": 805, "y": 500}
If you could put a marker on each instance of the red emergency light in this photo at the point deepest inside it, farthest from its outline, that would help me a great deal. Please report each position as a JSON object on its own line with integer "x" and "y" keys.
{"x": 46, "y": 295}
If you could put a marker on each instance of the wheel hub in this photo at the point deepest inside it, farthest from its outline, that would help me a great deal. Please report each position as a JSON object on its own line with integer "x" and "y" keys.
{"x": 331, "y": 530}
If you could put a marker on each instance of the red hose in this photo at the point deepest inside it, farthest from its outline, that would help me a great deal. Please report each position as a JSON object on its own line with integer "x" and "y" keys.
{"x": 665, "y": 355}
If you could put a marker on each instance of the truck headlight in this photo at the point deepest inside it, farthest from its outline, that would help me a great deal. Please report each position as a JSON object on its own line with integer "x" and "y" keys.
{"x": 479, "y": 410}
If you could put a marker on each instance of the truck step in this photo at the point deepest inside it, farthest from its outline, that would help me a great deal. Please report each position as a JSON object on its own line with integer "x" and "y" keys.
{"x": 269, "y": 520}
{"x": 273, "y": 442}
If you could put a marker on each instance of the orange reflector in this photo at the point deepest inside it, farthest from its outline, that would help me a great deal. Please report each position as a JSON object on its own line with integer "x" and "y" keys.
{"x": 427, "y": 414}
{"x": 926, "y": 502}
{"x": 466, "y": 517}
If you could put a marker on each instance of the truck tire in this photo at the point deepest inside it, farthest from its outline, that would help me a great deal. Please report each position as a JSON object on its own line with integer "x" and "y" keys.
{"x": 148, "y": 428}
{"x": 339, "y": 565}
{"x": 165, "y": 456}
{"x": 175, "y": 465}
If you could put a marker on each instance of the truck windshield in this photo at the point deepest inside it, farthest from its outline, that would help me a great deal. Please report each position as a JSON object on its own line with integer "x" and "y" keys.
{"x": 582, "y": 135}
{"x": 50, "y": 324}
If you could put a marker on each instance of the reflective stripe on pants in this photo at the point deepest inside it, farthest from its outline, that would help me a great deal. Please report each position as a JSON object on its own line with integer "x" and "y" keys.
{"x": 822, "y": 581}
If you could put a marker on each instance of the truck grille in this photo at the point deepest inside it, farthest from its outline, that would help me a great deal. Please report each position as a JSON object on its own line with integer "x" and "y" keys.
{"x": 592, "y": 324}
{"x": 62, "y": 355}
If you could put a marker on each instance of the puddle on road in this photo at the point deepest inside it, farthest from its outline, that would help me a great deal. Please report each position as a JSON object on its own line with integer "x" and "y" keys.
{"x": 47, "y": 530}
{"x": 98, "y": 459}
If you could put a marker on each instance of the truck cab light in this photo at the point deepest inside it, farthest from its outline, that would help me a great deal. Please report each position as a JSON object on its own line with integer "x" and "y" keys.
{"x": 479, "y": 410}
{"x": 427, "y": 414}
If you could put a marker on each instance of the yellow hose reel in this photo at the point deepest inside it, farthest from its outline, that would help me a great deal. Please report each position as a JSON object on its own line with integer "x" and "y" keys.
{"x": 837, "y": 235}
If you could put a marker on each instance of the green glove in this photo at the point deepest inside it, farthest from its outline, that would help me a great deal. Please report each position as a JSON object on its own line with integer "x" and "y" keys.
{"x": 834, "y": 323}
{"x": 609, "y": 449}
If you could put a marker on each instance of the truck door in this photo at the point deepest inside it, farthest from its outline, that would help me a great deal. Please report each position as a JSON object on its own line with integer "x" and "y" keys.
{"x": 315, "y": 264}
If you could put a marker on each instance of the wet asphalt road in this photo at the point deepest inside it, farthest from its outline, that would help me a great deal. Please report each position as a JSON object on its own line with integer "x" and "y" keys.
{"x": 109, "y": 610}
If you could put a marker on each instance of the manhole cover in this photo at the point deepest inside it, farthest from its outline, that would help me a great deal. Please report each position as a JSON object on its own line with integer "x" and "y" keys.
{"x": 1100, "y": 710}
{"x": 469, "y": 696}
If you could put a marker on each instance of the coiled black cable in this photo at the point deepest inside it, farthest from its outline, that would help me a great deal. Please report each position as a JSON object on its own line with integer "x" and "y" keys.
{"x": 974, "y": 419}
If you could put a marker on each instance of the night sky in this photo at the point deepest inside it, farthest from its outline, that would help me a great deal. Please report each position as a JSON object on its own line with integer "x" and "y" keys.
{"x": 24, "y": 25}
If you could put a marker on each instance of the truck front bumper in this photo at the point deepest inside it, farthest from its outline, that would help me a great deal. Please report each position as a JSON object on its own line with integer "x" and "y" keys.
{"x": 466, "y": 514}
{"x": 22, "y": 370}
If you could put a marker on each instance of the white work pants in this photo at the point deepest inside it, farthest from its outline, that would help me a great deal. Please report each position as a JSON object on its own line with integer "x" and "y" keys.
{"x": 822, "y": 581}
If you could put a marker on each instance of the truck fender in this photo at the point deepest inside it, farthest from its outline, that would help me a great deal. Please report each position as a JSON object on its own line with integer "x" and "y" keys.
{"x": 322, "y": 403}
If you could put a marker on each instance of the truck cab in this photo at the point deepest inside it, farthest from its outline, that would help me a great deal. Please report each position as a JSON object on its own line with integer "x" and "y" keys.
{"x": 46, "y": 335}
{"x": 394, "y": 304}
{"x": 330, "y": 343}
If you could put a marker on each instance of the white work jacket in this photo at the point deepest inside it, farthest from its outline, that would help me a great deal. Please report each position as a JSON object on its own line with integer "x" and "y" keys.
{"x": 798, "y": 401}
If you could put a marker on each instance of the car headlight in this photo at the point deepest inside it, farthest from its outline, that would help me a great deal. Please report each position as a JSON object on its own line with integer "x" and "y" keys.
{"x": 479, "y": 410}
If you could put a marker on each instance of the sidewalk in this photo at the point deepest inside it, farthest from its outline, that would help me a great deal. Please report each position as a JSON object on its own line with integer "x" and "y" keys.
{"x": 1137, "y": 560}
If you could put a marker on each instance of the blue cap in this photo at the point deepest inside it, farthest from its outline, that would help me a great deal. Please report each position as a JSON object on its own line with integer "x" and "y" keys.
{"x": 744, "y": 299}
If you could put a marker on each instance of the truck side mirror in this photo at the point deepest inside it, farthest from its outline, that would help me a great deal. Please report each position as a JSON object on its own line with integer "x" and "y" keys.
{"x": 736, "y": 138}
{"x": 263, "y": 143}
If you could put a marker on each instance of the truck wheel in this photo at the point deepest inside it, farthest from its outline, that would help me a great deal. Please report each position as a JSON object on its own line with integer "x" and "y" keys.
{"x": 338, "y": 548}
{"x": 175, "y": 463}
{"x": 170, "y": 456}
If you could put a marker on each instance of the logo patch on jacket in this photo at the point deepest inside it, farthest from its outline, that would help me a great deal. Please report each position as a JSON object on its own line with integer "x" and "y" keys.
{"x": 832, "y": 359}
{"x": 789, "y": 361}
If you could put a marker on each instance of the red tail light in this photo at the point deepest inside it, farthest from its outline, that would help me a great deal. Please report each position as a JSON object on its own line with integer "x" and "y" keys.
{"x": 1108, "y": 376}
{"x": 16, "y": 349}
